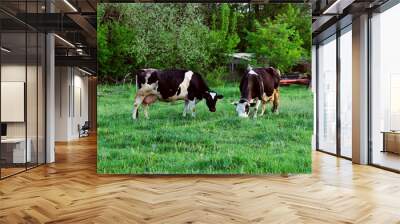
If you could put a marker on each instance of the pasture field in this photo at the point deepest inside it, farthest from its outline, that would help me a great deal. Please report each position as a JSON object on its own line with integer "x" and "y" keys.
{"x": 210, "y": 143}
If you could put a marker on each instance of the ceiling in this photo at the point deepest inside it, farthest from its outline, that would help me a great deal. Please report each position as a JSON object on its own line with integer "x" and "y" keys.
{"x": 74, "y": 22}
{"x": 330, "y": 13}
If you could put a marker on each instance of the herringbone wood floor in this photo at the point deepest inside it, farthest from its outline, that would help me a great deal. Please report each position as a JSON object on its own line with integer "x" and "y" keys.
{"x": 70, "y": 191}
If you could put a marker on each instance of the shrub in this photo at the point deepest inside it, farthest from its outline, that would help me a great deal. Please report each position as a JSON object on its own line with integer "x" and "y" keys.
{"x": 276, "y": 44}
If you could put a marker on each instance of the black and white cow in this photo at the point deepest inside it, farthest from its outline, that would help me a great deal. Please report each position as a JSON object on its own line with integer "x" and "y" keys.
{"x": 258, "y": 85}
{"x": 172, "y": 85}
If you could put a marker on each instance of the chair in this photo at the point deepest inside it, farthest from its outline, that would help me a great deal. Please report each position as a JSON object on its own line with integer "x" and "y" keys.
{"x": 84, "y": 130}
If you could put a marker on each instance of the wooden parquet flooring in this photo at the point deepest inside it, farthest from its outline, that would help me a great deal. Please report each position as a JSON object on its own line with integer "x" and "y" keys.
{"x": 70, "y": 191}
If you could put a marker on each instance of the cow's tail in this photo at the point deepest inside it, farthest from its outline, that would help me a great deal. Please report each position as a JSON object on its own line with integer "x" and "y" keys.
{"x": 275, "y": 103}
{"x": 277, "y": 77}
{"x": 261, "y": 86}
{"x": 136, "y": 80}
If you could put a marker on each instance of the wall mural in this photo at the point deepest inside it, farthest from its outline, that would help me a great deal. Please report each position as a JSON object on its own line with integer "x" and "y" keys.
{"x": 204, "y": 88}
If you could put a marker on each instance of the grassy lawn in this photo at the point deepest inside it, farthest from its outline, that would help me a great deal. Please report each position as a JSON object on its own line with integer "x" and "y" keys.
{"x": 211, "y": 143}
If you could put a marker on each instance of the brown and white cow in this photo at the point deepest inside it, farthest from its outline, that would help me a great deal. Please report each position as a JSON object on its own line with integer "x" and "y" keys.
{"x": 258, "y": 85}
{"x": 172, "y": 85}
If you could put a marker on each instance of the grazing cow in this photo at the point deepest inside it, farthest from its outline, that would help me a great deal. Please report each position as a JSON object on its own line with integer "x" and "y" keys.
{"x": 171, "y": 85}
{"x": 258, "y": 85}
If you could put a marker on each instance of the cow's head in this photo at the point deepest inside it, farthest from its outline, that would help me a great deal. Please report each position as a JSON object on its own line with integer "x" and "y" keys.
{"x": 143, "y": 76}
{"x": 211, "y": 98}
{"x": 243, "y": 107}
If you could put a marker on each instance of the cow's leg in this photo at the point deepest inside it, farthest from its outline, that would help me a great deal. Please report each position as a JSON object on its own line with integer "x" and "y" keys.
{"x": 258, "y": 102}
{"x": 186, "y": 108}
{"x": 146, "y": 110}
{"x": 264, "y": 107}
{"x": 275, "y": 102}
{"x": 265, "y": 100}
{"x": 138, "y": 102}
{"x": 146, "y": 104}
{"x": 192, "y": 107}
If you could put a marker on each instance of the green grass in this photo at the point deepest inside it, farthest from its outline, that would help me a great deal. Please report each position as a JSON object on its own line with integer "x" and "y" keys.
{"x": 210, "y": 143}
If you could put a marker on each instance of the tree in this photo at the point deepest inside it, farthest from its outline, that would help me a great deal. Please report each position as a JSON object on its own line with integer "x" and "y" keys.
{"x": 275, "y": 43}
{"x": 152, "y": 35}
{"x": 199, "y": 37}
{"x": 298, "y": 17}
{"x": 114, "y": 40}
{"x": 223, "y": 39}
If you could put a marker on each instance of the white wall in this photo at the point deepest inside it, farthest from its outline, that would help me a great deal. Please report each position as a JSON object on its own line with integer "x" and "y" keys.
{"x": 14, "y": 72}
{"x": 62, "y": 83}
{"x": 71, "y": 87}
{"x": 33, "y": 126}
{"x": 79, "y": 117}
{"x": 17, "y": 72}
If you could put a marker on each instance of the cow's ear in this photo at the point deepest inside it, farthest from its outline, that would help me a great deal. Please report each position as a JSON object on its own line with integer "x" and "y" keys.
{"x": 220, "y": 96}
{"x": 154, "y": 72}
{"x": 234, "y": 103}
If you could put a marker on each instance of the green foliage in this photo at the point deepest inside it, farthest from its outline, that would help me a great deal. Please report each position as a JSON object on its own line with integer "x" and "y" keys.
{"x": 114, "y": 38}
{"x": 178, "y": 39}
{"x": 275, "y": 43}
{"x": 217, "y": 77}
{"x": 223, "y": 35}
{"x": 211, "y": 143}
{"x": 299, "y": 18}
{"x": 200, "y": 37}
{"x": 222, "y": 41}
{"x": 104, "y": 51}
